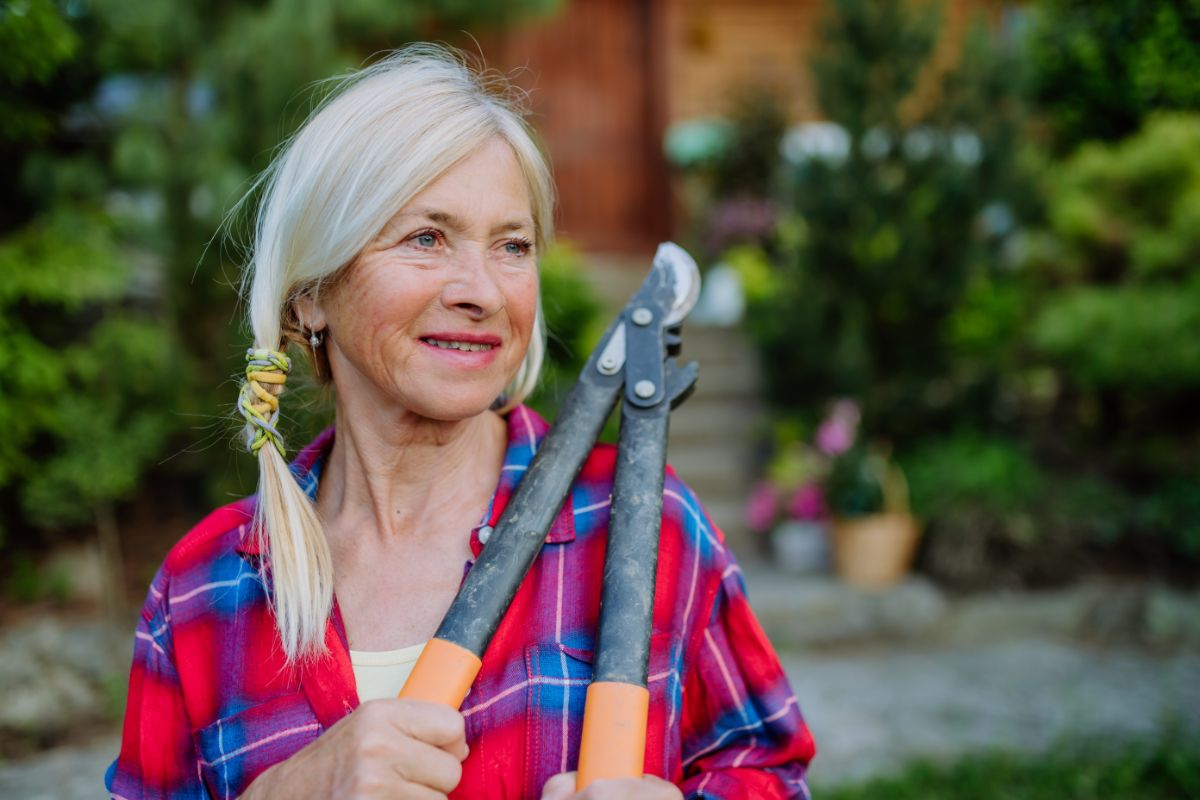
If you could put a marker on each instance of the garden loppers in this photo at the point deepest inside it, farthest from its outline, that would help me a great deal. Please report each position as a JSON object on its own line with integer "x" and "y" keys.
{"x": 641, "y": 339}
{"x": 615, "y": 712}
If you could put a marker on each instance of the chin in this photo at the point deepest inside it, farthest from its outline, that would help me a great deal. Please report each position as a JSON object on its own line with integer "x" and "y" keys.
{"x": 453, "y": 405}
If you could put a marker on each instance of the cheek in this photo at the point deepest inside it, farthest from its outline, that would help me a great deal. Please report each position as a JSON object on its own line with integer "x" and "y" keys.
{"x": 523, "y": 305}
{"x": 371, "y": 302}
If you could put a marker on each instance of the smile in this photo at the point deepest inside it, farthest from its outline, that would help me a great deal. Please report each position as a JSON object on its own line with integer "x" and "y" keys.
{"x": 445, "y": 344}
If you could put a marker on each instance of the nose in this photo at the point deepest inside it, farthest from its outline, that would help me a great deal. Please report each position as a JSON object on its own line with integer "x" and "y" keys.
{"x": 472, "y": 287}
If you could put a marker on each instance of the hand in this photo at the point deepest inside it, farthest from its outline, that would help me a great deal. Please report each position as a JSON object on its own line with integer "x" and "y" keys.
{"x": 647, "y": 787}
{"x": 383, "y": 749}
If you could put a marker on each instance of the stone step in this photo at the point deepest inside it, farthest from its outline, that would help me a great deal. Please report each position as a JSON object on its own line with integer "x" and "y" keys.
{"x": 729, "y": 378}
{"x": 718, "y": 346}
{"x": 718, "y": 421}
{"x": 714, "y": 472}
{"x": 713, "y": 434}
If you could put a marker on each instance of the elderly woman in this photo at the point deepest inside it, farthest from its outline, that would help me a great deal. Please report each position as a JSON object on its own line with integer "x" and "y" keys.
{"x": 396, "y": 247}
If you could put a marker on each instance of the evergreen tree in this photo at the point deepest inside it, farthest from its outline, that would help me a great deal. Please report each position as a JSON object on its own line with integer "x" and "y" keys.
{"x": 127, "y": 130}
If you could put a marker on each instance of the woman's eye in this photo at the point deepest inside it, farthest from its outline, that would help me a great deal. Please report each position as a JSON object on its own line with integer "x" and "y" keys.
{"x": 425, "y": 239}
{"x": 516, "y": 248}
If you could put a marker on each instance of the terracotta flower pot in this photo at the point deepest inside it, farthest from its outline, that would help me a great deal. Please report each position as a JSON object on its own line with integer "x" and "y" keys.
{"x": 875, "y": 551}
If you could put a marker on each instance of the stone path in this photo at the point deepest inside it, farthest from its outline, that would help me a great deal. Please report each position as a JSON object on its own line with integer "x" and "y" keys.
{"x": 70, "y": 773}
{"x": 876, "y": 709}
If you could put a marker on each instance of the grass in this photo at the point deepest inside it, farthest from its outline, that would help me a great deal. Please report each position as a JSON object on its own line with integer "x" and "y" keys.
{"x": 1168, "y": 770}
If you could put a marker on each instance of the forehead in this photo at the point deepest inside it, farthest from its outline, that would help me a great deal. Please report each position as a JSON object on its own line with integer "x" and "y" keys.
{"x": 485, "y": 186}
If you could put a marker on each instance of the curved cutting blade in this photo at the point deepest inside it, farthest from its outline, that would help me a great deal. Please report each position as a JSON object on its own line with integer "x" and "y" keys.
{"x": 686, "y": 278}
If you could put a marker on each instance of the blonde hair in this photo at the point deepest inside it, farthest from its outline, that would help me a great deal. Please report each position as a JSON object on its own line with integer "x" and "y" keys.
{"x": 382, "y": 135}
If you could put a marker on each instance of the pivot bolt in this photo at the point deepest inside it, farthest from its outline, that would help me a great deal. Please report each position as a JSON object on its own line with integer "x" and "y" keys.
{"x": 645, "y": 389}
{"x": 642, "y": 316}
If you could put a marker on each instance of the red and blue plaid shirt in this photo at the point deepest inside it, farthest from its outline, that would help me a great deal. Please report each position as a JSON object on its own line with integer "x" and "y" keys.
{"x": 212, "y": 702}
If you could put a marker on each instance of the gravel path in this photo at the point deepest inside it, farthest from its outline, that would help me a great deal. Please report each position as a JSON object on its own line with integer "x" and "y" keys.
{"x": 874, "y": 710}
{"x": 70, "y": 773}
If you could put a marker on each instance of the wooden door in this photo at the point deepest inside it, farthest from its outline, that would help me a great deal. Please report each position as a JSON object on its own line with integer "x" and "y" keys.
{"x": 595, "y": 74}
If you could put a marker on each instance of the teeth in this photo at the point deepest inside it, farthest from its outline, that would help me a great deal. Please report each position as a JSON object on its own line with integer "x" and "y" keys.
{"x": 470, "y": 347}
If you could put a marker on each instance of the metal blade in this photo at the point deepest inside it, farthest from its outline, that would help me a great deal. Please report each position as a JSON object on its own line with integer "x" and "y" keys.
{"x": 686, "y": 279}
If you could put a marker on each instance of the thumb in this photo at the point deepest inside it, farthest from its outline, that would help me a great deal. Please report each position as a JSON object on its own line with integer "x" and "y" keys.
{"x": 560, "y": 787}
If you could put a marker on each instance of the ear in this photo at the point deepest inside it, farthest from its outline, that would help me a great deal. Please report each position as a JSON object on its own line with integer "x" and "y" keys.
{"x": 309, "y": 313}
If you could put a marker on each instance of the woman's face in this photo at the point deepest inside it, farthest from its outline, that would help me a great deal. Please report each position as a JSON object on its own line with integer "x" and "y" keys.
{"x": 436, "y": 313}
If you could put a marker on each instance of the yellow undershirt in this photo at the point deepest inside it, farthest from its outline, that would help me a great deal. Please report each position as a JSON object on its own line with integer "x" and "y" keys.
{"x": 383, "y": 673}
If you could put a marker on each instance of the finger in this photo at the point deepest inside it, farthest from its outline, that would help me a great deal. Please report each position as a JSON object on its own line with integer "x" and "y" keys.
{"x": 648, "y": 787}
{"x": 432, "y": 723}
{"x": 425, "y": 765}
{"x": 661, "y": 788}
{"x": 402, "y": 790}
{"x": 559, "y": 787}
{"x": 459, "y": 750}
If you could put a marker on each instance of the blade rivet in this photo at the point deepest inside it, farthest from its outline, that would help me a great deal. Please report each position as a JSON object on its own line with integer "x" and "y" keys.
{"x": 642, "y": 316}
{"x": 645, "y": 389}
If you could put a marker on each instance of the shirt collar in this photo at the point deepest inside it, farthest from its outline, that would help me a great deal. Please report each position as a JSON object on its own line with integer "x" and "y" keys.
{"x": 526, "y": 429}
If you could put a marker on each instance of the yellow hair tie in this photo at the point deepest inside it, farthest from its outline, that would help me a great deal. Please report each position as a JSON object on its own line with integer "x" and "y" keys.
{"x": 266, "y": 373}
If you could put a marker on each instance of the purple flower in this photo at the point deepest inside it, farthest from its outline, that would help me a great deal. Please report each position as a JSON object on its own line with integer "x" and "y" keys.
{"x": 807, "y": 502}
{"x": 740, "y": 219}
{"x": 762, "y": 506}
{"x": 836, "y": 434}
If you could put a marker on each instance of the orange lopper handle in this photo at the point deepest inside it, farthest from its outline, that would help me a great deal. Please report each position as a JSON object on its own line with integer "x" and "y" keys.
{"x": 443, "y": 674}
{"x": 614, "y": 732}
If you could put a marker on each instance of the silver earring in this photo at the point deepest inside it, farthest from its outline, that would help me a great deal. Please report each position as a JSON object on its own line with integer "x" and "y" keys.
{"x": 314, "y": 340}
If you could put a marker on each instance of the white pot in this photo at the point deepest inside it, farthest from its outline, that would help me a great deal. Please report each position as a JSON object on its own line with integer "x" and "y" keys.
{"x": 801, "y": 547}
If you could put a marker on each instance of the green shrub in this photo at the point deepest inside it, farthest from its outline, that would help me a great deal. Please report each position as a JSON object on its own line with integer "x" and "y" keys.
{"x": 878, "y": 244}
{"x": 1169, "y": 770}
{"x": 574, "y": 324}
{"x": 996, "y": 514}
{"x": 970, "y": 470}
{"x": 1099, "y": 69}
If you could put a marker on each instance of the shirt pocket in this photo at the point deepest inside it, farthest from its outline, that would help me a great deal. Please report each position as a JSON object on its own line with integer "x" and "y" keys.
{"x": 558, "y": 680}
{"x": 235, "y": 749}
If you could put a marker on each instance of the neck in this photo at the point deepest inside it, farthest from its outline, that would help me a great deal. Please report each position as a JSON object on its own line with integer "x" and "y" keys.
{"x": 391, "y": 471}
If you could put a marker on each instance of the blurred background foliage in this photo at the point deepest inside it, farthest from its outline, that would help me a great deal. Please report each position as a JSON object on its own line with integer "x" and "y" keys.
{"x": 997, "y": 254}
{"x": 994, "y": 253}
{"x": 127, "y": 132}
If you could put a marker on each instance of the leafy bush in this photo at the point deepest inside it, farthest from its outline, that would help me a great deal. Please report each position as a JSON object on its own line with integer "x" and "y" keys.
{"x": 881, "y": 233}
{"x": 574, "y": 324}
{"x": 970, "y": 470}
{"x": 1114, "y": 281}
{"x": 1169, "y": 770}
{"x": 89, "y": 375}
{"x": 1099, "y": 69}
{"x": 1120, "y": 261}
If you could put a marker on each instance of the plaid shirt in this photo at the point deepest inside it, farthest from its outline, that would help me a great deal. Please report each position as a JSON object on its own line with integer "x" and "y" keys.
{"x": 212, "y": 702}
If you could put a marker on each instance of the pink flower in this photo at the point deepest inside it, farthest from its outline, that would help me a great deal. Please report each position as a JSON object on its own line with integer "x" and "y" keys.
{"x": 762, "y": 506}
{"x": 807, "y": 502}
{"x": 836, "y": 434}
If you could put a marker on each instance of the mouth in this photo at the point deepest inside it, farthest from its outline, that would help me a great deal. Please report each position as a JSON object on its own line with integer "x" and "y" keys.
{"x": 464, "y": 347}
{"x": 458, "y": 344}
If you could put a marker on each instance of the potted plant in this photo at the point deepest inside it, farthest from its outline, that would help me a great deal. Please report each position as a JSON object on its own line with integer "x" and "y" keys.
{"x": 875, "y": 535}
{"x": 787, "y": 508}
{"x": 837, "y": 484}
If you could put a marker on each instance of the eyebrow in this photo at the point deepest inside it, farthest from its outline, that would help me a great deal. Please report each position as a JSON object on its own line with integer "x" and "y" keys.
{"x": 457, "y": 223}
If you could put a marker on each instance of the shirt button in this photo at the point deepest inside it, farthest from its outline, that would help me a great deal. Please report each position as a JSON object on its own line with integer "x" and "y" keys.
{"x": 485, "y": 533}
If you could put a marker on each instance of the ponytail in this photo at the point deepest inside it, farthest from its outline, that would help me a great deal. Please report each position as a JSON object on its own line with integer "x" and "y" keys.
{"x": 301, "y": 569}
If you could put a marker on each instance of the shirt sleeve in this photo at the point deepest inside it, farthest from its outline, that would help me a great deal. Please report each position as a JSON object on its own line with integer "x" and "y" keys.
{"x": 743, "y": 734}
{"x": 158, "y": 756}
